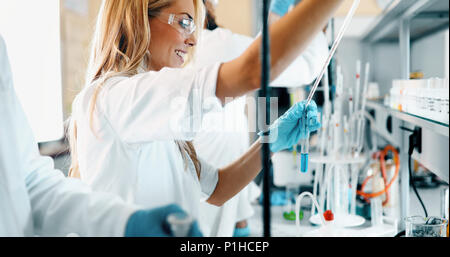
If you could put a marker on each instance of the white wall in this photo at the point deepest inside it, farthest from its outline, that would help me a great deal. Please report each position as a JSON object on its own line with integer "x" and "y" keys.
{"x": 384, "y": 61}
{"x": 386, "y": 65}
{"x": 447, "y": 49}
{"x": 349, "y": 51}
{"x": 429, "y": 55}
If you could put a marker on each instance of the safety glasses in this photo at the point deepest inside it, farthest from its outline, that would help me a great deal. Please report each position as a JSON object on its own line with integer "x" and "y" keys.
{"x": 186, "y": 26}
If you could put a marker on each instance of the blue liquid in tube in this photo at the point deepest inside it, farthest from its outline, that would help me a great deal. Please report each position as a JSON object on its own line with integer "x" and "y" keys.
{"x": 304, "y": 162}
{"x": 304, "y": 145}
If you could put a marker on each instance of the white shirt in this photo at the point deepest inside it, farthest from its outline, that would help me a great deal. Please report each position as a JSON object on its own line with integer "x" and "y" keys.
{"x": 132, "y": 152}
{"x": 36, "y": 199}
{"x": 224, "y": 134}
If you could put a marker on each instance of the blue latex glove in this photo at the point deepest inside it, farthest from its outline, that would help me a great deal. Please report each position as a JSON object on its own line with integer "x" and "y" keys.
{"x": 153, "y": 223}
{"x": 286, "y": 131}
{"x": 281, "y": 7}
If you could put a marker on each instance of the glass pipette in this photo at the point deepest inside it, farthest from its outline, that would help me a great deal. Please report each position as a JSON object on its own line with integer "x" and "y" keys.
{"x": 304, "y": 143}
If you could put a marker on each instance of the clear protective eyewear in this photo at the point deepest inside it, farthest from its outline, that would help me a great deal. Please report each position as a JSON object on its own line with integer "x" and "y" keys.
{"x": 185, "y": 26}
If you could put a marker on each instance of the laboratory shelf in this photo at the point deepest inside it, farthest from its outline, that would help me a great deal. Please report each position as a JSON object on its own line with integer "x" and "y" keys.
{"x": 436, "y": 126}
{"x": 425, "y": 17}
{"x": 403, "y": 22}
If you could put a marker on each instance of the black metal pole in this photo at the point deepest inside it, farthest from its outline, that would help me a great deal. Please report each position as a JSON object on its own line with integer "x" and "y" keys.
{"x": 265, "y": 92}
{"x": 332, "y": 67}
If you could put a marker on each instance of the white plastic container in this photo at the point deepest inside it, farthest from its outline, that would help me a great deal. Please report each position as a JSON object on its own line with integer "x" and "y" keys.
{"x": 428, "y": 98}
{"x": 442, "y": 99}
{"x": 415, "y": 99}
{"x": 445, "y": 105}
{"x": 395, "y": 94}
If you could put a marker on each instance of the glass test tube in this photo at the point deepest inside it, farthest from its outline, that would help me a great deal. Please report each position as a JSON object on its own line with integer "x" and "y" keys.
{"x": 304, "y": 144}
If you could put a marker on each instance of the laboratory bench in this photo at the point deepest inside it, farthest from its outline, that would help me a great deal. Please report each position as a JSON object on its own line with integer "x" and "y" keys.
{"x": 281, "y": 227}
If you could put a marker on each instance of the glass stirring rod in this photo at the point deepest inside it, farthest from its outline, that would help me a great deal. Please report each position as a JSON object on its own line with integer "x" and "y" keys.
{"x": 304, "y": 143}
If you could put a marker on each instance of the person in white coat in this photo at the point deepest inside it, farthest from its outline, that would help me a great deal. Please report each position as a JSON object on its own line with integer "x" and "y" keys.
{"x": 37, "y": 200}
{"x": 225, "y": 135}
{"x": 133, "y": 122}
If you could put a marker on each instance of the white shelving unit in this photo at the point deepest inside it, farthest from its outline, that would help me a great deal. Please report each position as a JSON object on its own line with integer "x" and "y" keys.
{"x": 404, "y": 22}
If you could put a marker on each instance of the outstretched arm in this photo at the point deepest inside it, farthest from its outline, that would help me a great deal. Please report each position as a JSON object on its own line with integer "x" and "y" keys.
{"x": 289, "y": 37}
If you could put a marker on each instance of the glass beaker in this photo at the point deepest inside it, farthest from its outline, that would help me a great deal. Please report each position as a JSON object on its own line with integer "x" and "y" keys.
{"x": 289, "y": 211}
{"x": 418, "y": 226}
{"x": 180, "y": 224}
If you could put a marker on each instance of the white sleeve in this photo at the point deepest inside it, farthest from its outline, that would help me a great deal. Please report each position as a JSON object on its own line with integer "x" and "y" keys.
{"x": 59, "y": 206}
{"x": 209, "y": 176}
{"x": 164, "y": 105}
{"x": 220, "y": 45}
{"x": 307, "y": 66}
{"x": 64, "y": 205}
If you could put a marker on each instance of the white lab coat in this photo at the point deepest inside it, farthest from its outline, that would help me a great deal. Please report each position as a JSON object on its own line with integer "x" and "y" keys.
{"x": 36, "y": 199}
{"x": 132, "y": 152}
{"x": 224, "y": 136}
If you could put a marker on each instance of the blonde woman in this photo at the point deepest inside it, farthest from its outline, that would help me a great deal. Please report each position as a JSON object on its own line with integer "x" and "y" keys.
{"x": 132, "y": 124}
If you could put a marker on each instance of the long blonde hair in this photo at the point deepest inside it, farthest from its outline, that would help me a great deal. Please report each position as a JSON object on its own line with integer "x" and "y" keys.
{"x": 120, "y": 48}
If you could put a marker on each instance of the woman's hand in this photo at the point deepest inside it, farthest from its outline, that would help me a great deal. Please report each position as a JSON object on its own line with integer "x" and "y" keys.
{"x": 287, "y": 130}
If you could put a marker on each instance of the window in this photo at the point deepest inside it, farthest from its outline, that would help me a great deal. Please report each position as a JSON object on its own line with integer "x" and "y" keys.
{"x": 31, "y": 30}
